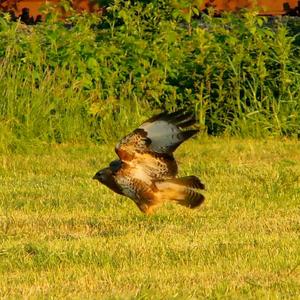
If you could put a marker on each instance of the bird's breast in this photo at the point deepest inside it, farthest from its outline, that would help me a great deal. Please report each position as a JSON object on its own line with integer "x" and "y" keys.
{"x": 127, "y": 187}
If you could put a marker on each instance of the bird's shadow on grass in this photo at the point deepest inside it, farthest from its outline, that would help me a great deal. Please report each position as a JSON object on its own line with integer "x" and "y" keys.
{"x": 117, "y": 226}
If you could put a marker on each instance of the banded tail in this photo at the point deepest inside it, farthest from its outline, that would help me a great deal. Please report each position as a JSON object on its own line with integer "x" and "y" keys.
{"x": 184, "y": 191}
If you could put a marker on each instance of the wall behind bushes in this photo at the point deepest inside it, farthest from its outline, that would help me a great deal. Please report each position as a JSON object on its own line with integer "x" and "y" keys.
{"x": 92, "y": 78}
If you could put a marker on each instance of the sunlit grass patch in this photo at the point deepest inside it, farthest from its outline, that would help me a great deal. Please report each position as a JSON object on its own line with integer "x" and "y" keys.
{"x": 65, "y": 236}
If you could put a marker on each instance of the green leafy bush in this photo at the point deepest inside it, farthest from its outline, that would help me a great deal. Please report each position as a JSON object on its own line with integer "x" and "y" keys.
{"x": 76, "y": 80}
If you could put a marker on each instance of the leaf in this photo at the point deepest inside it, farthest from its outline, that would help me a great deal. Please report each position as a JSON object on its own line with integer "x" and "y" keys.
{"x": 195, "y": 11}
{"x": 92, "y": 63}
{"x": 260, "y": 22}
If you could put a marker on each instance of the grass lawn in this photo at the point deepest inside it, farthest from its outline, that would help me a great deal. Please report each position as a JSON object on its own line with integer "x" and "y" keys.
{"x": 63, "y": 235}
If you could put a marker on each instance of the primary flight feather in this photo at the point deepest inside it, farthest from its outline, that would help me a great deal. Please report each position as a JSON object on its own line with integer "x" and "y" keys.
{"x": 146, "y": 169}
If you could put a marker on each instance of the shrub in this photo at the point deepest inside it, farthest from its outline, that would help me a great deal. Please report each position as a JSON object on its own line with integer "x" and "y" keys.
{"x": 76, "y": 80}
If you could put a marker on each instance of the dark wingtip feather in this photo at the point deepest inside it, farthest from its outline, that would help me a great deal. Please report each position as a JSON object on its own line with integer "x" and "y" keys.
{"x": 182, "y": 118}
{"x": 191, "y": 120}
{"x": 184, "y": 135}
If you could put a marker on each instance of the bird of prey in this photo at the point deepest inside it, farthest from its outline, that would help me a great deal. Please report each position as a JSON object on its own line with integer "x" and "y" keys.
{"x": 146, "y": 169}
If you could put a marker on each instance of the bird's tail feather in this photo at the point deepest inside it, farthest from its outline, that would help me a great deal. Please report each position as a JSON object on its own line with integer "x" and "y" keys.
{"x": 184, "y": 191}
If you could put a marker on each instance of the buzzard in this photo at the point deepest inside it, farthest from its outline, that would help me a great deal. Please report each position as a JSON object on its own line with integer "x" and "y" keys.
{"x": 146, "y": 169}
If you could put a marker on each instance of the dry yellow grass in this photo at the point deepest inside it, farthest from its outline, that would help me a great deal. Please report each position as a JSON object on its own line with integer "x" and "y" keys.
{"x": 65, "y": 236}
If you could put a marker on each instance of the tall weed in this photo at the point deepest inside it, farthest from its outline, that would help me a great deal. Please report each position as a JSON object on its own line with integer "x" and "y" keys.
{"x": 94, "y": 78}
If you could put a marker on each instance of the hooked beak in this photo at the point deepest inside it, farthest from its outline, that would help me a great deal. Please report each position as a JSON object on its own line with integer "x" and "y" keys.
{"x": 96, "y": 176}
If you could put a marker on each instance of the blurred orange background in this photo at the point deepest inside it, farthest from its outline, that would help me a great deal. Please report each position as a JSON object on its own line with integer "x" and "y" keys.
{"x": 266, "y": 7}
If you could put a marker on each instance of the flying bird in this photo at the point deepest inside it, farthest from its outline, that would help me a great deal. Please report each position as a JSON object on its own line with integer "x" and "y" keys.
{"x": 146, "y": 169}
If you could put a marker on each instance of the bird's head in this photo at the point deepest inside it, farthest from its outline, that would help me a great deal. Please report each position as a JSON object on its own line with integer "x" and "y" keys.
{"x": 107, "y": 176}
{"x": 103, "y": 175}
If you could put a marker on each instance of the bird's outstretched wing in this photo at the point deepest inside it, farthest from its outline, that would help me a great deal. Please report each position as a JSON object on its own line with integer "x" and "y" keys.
{"x": 149, "y": 148}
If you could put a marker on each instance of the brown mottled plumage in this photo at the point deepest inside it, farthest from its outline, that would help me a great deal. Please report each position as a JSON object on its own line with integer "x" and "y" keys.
{"x": 146, "y": 171}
